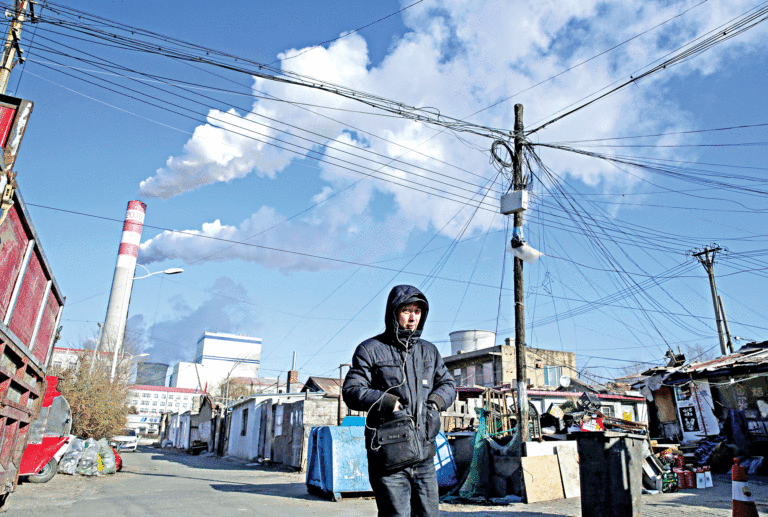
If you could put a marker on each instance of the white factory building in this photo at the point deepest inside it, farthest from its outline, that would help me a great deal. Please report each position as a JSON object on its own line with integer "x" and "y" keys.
{"x": 219, "y": 357}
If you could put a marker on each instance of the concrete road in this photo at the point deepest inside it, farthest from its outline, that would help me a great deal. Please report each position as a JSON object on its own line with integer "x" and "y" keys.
{"x": 168, "y": 483}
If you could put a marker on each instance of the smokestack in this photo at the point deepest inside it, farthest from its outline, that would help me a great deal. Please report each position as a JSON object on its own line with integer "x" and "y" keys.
{"x": 122, "y": 283}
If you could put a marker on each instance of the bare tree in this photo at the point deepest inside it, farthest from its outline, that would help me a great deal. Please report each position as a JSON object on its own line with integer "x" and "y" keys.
{"x": 99, "y": 407}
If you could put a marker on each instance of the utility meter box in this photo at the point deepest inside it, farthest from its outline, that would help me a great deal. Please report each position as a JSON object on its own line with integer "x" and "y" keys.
{"x": 515, "y": 201}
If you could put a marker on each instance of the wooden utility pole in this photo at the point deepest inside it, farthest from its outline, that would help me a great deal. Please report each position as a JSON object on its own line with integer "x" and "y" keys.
{"x": 521, "y": 375}
{"x": 341, "y": 380}
{"x": 728, "y": 340}
{"x": 707, "y": 259}
{"x": 12, "y": 43}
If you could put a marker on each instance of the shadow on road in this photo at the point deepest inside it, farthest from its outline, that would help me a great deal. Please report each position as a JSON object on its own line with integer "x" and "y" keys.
{"x": 209, "y": 462}
{"x": 289, "y": 490}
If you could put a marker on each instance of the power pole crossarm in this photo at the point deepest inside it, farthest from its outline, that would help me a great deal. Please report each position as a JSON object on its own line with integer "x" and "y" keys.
{"x": 12, "y": 39}
{"x": 707, "y": 259}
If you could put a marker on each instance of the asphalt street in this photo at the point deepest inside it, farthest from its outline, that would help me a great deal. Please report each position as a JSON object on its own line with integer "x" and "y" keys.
{"x": 167, "y": 483}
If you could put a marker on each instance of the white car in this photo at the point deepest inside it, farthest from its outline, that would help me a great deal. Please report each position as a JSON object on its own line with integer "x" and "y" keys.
{"x": 127, "y": 440}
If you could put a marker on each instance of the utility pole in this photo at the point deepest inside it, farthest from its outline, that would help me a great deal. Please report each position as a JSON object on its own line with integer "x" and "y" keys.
{"x": 729, "y": 341}
{"x": 12, "y": 40}
{"x": 96, "y": 349}
{"x": 707, "y": 259}
{"x": 341, "y": 380}
{"x": 522, "y": 382}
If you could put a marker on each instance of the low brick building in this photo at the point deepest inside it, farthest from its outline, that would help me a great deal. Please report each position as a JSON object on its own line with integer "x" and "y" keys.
{"x": 497, "y": 366}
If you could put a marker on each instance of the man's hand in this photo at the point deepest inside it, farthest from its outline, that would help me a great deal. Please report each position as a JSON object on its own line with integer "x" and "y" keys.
{"x": 431, "y": 404}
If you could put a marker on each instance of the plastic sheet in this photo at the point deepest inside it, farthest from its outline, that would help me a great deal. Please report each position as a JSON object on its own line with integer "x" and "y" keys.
{"x": 68, "y": 463}
{"x": 89, "y": 462}
{"x": 107, "y": 457}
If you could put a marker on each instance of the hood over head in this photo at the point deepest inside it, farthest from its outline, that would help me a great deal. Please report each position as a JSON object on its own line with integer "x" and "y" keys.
{"x": 403, "y": 295}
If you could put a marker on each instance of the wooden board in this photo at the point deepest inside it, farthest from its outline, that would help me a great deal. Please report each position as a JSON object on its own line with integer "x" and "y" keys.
{"x": 542, "y": 479}
{"x": 547, "y": 448}
{"x": 568, "y": 459}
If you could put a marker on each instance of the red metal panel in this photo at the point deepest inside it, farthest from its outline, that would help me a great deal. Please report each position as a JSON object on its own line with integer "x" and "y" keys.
{"x": 13, "y": 243}
{"x": 6, "y": 119}
{"x": 9, "y": 441}
{"x": 37, "y": 455}
{"x": 46, "y": 330}
{"x": 28, "y": 302}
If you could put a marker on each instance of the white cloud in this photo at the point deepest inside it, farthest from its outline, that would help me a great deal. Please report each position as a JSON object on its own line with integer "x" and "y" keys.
{"x": 459, "y": 57}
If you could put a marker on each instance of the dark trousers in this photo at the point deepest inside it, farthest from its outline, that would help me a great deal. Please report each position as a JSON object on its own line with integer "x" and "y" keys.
{"x": 408, "y": 492}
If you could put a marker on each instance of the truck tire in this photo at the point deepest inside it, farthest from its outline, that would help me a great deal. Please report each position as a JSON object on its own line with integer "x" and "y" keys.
{"x": 46, "y": 473}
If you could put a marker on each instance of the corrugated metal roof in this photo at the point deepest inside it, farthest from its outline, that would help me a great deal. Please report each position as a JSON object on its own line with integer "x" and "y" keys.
{"x": 746, "y": 356}
{"x": 327, "y": 385}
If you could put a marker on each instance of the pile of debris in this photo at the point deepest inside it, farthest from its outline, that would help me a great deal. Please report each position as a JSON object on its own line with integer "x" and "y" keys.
{"x": 90, "y": 458}
{"x": 585, "y": 415}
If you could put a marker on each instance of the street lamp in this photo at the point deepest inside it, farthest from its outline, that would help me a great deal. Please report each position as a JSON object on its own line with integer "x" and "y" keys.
{"x": 118, "y": 345}
{"x": 171, "y": 271}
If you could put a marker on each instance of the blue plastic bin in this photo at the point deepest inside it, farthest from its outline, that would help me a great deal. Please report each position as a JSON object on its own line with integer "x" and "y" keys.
{"x": 337, "y": 462}
{"x": 444, "y": 462}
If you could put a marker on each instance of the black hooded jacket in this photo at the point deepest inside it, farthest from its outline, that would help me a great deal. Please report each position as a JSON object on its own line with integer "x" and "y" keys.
{"x": 399, "y": 365}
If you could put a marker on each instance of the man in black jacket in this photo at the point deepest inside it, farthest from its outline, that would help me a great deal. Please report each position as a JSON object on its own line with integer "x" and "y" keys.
{"x": 393, "y": 375}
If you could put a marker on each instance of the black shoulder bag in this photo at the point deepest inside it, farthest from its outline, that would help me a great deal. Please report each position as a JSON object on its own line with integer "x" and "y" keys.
{"x": 396, "y": 442}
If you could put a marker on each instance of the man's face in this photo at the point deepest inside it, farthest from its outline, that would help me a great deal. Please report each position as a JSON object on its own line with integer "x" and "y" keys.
{"x": 408, "y": 316}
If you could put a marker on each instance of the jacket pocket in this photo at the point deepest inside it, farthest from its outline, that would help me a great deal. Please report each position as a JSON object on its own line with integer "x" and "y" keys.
{"x": 433, "y": 423}
{"x": 387, "y": 375}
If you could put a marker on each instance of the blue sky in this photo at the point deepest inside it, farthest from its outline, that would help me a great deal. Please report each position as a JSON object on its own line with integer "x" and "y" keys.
{"x": 90, "y": 150}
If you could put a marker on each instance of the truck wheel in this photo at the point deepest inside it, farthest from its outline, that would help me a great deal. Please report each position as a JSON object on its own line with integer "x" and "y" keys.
{"x": 46, "y": 473}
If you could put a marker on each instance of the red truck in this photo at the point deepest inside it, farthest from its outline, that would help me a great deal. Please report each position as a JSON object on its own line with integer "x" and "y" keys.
{"x": 49, "y": 436}
{"x": 30, "y": 305}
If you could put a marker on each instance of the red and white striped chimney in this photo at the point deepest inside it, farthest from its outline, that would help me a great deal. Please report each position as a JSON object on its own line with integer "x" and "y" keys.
{"x": 117, "y": 311}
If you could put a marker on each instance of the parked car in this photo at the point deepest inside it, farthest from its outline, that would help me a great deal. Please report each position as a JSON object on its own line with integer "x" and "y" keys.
{"x": 127, "y": 440}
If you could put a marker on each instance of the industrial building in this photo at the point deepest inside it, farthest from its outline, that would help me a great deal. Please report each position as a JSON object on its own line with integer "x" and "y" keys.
{"x": 219, "y": 357}
{"x": 151, "y": 374}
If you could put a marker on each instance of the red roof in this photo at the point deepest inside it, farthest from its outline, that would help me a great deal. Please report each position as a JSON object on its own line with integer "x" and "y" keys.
{"x": 143, "y": 387}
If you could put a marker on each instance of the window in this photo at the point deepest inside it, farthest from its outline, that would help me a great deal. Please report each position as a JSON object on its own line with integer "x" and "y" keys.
{"x": 244, "y": 428}
{"x": 177, "y": 404}
{"x": 607, "y": 411}
{"x": 552, "y": 375}
{"x": 488, "y": 374}
{"x": 155, "y": 395}
{"x": 134, "y": 402}
{"x": 154, "y": 402}
{"x": 145, "y": 395}
{"x": 154, "y": 410}
{"x": 144, "y": 402}
{"x": 162, "y": 395}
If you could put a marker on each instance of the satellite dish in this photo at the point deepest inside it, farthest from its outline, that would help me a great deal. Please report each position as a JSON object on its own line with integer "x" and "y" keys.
{"x": 565, "y": 381}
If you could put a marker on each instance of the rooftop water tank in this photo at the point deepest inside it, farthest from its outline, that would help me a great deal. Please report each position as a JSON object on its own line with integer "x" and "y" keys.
{"x": 463, "y": 341}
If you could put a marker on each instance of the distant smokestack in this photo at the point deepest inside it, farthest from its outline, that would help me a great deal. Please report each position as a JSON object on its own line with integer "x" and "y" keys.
{"x": 122, "y": 283}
